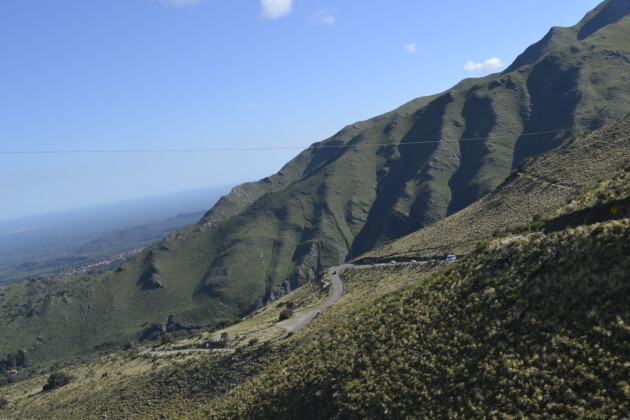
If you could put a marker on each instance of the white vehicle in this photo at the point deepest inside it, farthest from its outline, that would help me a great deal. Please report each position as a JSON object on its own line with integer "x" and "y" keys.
{"x": 451, "y": 258}
{"x": 413, "y": 261}
{"x": 392, "y": 262}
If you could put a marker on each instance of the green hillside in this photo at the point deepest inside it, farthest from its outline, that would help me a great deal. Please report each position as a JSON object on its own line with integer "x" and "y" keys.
{"x": 536, "y": 187}
{"x": 525, "y": 326}
{"x": 372, "y": 182}
{"x": 383, "y": 178}
{"x": 535, "y": 327}
{"x": 518, "y": 306}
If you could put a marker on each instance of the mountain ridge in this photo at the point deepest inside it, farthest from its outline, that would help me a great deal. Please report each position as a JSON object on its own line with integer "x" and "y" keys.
{"x": 534, "y": 325}
{"x": 385, "y": 178}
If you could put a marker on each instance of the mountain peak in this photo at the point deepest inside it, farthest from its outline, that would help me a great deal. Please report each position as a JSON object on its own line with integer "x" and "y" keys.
{"x": 607, "y": 13}
{"x": 557, "y": 38}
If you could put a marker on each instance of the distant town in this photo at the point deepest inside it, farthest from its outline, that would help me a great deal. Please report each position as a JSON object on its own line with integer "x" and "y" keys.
{"x": 100, "y": 264}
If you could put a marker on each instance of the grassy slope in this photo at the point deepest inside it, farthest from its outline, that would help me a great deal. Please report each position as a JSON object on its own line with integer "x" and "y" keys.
{"x": 536, "y": 327}
{"x": 536, "y": 187}
{"x": 533, "y": 326}
{"x": 268, "y": 237}
{"x": 132, "y": 386}
{"x": 129, "y": 385}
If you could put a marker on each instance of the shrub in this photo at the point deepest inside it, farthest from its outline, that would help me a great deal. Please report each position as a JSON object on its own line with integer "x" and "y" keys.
{"x": 57, "y": 380}
{"x": 167, "y": 338}
{"x": 286, "y": 314}
{"x": 3, "y": 402}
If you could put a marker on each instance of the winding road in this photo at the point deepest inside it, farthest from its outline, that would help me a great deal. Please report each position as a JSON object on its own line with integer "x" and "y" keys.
{"x": 306, "y": 317}
{"x": 292, "y": 325}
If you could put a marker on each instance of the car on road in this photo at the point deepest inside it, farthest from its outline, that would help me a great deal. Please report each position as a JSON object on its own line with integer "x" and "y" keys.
{"x": 451, "y": 258}
{"x": 392, "y": 262}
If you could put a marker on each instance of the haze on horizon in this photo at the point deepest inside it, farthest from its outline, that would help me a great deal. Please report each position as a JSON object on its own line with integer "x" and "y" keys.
{"x": 204, "y": 74}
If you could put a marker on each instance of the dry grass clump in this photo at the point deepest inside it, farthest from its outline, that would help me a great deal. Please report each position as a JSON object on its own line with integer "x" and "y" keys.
{"x": 608, "y": 190}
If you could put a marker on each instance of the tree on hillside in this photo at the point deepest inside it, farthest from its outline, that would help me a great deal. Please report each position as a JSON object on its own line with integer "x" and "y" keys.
{"x": 57, "y": 380}
{"x": 286, "y": 314}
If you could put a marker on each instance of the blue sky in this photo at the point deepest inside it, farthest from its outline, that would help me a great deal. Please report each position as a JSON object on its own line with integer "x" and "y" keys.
{"x": 187, "y": 74}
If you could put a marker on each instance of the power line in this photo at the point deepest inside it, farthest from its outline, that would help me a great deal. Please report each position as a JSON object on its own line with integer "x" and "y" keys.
{"x": 245, "y": 149}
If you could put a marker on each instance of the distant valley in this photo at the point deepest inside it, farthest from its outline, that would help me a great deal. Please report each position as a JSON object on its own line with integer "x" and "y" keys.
{"x": 91, "y": 239}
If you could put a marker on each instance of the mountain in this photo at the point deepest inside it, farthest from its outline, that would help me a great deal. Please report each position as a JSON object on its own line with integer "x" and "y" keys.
{"x": 531, "y": 327}
{"x": 383, "y": 178}
{"x": 536, "y": 187}
{"x": 534, "y": 326}
{"x": 372, "y": 182}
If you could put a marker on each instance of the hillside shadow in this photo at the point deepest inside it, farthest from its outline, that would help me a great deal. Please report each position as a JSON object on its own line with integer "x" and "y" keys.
{"x": 611, "y": 13}
{"x": 480, "y": 120}
{"x": 554, "y": 92}
{"x": 382, "y": 221}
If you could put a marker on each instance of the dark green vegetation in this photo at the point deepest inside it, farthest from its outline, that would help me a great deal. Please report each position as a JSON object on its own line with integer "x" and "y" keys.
{"x": 285, "y": 314}
{"x": 536, "y": 187}
{"x": 531, "y": 326}
{"x": 57, "y": 380}
{"x": 528, "y": 326}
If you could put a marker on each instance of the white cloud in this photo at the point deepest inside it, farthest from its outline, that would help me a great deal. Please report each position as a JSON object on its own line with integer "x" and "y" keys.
{"x": 181, "y": 3}
{"x": 274, "y": 9}
{"x": 329, "y": 20}
{"x": 411, "y": 48}
{"x": 488, "y": 65}
{"x": 324, "y": 17}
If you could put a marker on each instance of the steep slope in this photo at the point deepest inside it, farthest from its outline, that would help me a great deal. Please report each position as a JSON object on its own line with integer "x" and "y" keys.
{"x": 531, "y": 326}
{"x": 373, "y": 181}
{"x": 430, "y": 158}
{"x": 535, "y": 327}
{"x": 536, "y": 187}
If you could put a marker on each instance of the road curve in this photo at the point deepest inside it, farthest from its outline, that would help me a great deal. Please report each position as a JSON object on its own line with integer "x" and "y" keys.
{"x": 337, "y": 291}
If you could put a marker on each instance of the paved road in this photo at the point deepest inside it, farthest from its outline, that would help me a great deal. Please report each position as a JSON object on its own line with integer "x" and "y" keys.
{"x": 310, "y": 315}
{"x": 291, "y": 325}
{"x": 338, "y": 290}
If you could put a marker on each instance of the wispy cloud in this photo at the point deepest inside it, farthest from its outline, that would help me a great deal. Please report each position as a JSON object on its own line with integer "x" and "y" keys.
{"x": 488, "y": 65}
{"x": 328, "y": 20}
{"x": 324, "y": 17}
{"x": 275, "y": 9}
{"x": 181, "y": 3}
{"x": 411, "y": 48}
